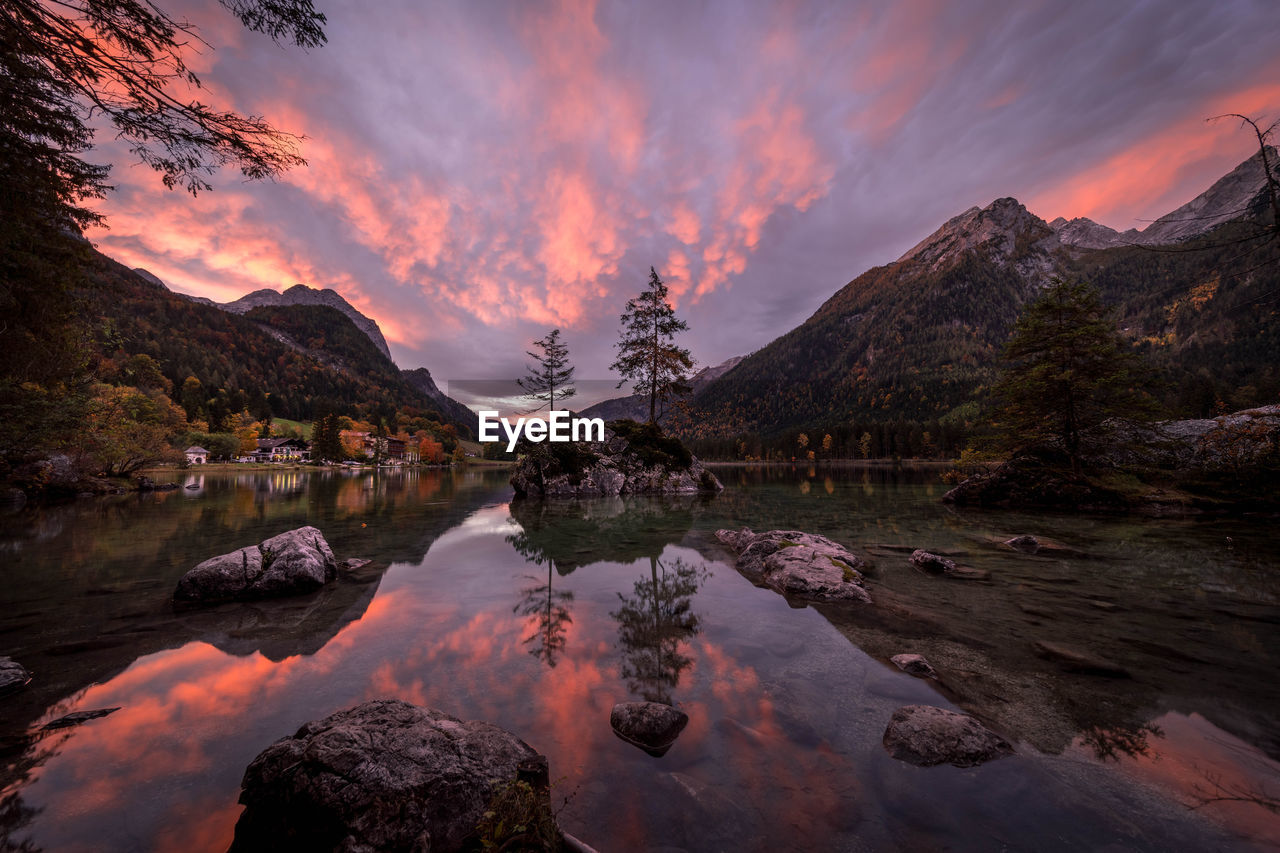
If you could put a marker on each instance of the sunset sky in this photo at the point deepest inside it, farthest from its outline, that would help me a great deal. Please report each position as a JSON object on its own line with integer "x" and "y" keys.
{"x": 482, "y": 172}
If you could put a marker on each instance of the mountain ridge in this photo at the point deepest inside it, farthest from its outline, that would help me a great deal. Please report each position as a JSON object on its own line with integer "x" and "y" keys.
{"x": 919, "y": 338}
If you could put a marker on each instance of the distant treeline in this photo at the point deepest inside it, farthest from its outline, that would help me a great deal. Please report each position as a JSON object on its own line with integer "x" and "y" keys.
{"x": 899, "y": 439}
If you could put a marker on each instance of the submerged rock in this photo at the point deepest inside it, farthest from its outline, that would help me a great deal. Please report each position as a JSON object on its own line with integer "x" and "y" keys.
{"x": 651, "y": 726}
{"x": 13, "y": 676}
{"x": 803, "y": 565}
{"x": 926, "y": 736}
{"x": 382, "y": 776}
{"x": 633, "y": 459}
{"x": 295, "y": 562}
{"x": 75, "y": 718}
{"x": 932, "y": 563}
{"x": 1075, "y": 660}
{"x": 914, "y": 665}
{"x": 939, "y": 565}
{"x": 1025, "y": 543}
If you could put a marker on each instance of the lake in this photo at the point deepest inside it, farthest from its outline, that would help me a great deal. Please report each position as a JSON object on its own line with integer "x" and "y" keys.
{"x": 538, "y": 617}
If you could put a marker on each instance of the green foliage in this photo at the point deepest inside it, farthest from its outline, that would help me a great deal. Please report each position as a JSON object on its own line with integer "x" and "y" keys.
{"x": 551, "y": 372}
{"x": 128, "y": 428}
{"x": 653, "y": 447}
{"x": 326, "y": 440}
{"x": 221, "y": 445}
{"x": 519, "y": 817}
{"x": 1069, "y": 378}
{"x": 647, "y": 354}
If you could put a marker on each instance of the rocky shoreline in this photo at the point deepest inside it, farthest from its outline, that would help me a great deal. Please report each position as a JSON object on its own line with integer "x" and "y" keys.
{"x": 1227, "y": 464}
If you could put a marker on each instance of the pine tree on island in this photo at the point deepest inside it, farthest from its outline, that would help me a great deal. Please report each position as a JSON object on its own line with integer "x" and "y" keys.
{"x": 647, "y": 354}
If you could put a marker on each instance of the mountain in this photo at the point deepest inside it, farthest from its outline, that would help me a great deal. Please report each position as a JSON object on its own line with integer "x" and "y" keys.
{"x": 918, "y": 340}
{"x": 455, "y": 412}
{"x": 1082, "y": 232}
{"x": 300, "y": 294}
{"x": 303, "y": 358}
{"x": 1231, "y": 197}
{"x": 636, "y": 406}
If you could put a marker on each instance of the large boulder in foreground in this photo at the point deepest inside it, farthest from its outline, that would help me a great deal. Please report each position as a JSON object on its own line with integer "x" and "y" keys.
{"x": 292, "y": 563}
{"x": 382, "y": 776}
{"x": 800, "y": 565}
{"x": 13, "y": 676}
{"x": 924, "y": 735}
{"x": 651, "y": 726}
{"x": 633, "y": 459}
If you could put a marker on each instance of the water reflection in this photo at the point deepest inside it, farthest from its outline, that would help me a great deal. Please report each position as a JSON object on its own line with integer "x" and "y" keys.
{"x": 654, "y": 624}
{"x": 783, "y": 746}
{"x": 548, "y": 610}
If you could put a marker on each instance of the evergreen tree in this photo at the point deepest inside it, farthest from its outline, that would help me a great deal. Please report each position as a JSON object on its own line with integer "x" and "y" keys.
{"x": 1068, "y": 375}
{"x": 647, "y": 354}
{"x": 326, "y": 440}
{"x": 551, "y": 376}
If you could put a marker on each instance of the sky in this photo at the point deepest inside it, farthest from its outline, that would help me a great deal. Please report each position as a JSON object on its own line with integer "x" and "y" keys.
{"x": 480, "y": 173}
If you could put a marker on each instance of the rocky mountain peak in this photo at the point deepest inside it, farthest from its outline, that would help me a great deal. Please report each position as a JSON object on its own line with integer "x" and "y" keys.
{"x": 1229, "y": 198}
{"x": 301, "y": 294}
{"x": 1084, "y": 233}
{"x": 1001, "y": 227}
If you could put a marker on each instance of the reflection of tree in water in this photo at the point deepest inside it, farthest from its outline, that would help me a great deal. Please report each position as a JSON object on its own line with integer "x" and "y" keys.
{"x": 1111, "y": 743}
{"x": 652, "y": 623}
{"x": 550, "y": 609}
{"x": 543, "y": 603}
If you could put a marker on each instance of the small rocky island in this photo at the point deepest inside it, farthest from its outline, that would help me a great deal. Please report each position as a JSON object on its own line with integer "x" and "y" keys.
{"x": 633, "y": 459}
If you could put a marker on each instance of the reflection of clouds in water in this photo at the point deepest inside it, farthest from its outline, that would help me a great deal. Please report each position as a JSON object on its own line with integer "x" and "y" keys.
{"x": 1213, "y": 772}
{"x": 489, "y": 521}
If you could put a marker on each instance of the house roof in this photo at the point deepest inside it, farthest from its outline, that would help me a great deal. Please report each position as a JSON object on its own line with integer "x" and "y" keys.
{"x": 268, "y": 443}
{"x": 194, "y": 449}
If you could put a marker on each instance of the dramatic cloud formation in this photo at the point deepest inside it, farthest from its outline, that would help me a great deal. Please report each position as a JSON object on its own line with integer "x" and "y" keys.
{"x": 482, "y": 172}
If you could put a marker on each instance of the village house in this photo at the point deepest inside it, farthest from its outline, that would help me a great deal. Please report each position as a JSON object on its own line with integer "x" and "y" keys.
{"x": 196, "y": 455}
{"x": 282, "y": 450}
{"x": 392, "y": 450}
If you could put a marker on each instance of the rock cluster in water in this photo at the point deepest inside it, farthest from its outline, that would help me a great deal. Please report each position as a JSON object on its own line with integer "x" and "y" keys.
{"x": 802, "y": 565}
{"x": 651, "y": 726}
{"x": 633, "y": 459}
{"x": 925, "y": 736}
{"x": 295, "y": 562}
{"x": 382, "y": 776}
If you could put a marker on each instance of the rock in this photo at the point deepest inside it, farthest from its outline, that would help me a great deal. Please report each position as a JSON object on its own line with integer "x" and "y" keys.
{"x": 292, "y": 563}
{"x": 651, "y": 726}
{"x": 1037, "y": 479}
{"x": 193, "y": 486}
{"x": 803, "y": 565}
{"x": 1025, "y": 543}
{"x": 13, "y": 676}
{"x": 914, "y": 665}
{"x": 931, "y": 563}
{"x": 143, "y": 483}
{"x": 632, "y": 459}
{"x": 75, "y": 718}
{"x": 353, "y": 563}
{"x": 925, "y": 736}
{"x": 381, "y": 776}
{"x": 1075, "y": 660}
{"x": 938, "y": 565}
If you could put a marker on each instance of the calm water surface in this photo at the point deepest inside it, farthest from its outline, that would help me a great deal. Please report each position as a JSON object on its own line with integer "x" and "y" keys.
{"x": 540, "y": 616}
